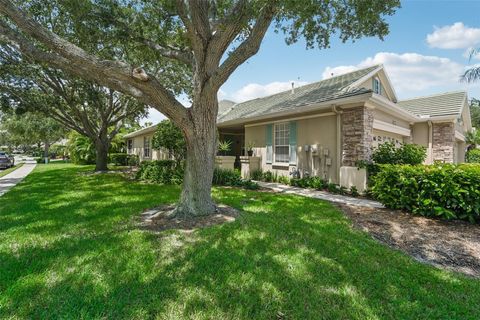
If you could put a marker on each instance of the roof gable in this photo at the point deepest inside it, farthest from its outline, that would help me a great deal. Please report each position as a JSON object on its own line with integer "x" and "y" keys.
{"x": 329, "y": 89}
{"x": 387, "y": 89}
{"x": 438, "y": 105}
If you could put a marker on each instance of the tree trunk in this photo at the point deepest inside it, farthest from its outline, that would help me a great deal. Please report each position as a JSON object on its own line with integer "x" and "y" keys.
{"x": 45, "y": 151}
{"x": 102, "y": 145}
{"x": 196, "y": 199}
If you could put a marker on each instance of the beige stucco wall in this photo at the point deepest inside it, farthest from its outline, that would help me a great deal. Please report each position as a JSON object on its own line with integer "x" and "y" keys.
{"x": 421, "y": 136}
{"x": 380, "y": 137}
{"x": 320, "y": 130}
{"x": 138, "y": 149}
{"x": 369, "y": 85}
{"x": 385, "y": 117}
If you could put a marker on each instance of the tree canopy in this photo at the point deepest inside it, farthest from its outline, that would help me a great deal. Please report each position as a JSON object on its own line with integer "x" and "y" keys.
{"x": 30, "y": 129}
{"x": 169, "y": 137}
{"x": 164, "y": 47}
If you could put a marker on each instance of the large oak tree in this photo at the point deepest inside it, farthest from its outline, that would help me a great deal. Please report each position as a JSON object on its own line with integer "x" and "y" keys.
{"x": 211, "y": 38}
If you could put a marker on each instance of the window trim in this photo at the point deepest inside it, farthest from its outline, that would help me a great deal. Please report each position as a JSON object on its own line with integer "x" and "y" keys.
{"x": 149, "y": 156}
{"x": 130, "y": 146}
{"x": 275, "y": 163}
{"x": 377, "y": 81}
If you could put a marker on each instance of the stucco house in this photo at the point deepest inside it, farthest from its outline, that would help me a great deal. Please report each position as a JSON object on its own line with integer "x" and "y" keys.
{"x": 324, "y": 128}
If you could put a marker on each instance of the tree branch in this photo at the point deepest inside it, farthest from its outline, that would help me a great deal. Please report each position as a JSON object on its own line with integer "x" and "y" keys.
{"x": 246, "y": 49}
{"x": 67, "y": 56}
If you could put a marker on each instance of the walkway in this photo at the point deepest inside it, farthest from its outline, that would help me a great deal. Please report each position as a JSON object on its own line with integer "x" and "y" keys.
{"x": 11, "y": 179}
{"x": 311, "y": 193}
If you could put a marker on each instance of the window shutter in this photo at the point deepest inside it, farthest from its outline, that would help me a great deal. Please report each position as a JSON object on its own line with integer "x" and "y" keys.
{"x": 268, "y": 142}
{"x": 293, "y": 142}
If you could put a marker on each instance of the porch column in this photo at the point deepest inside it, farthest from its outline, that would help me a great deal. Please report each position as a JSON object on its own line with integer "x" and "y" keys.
{"x": 444, "y": 142}
{"x": 249, "y": 164}
{"x": 357, "y": 137}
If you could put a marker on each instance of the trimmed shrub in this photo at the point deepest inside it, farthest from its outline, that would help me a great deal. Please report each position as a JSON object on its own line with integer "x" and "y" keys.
{"x": 118, "y": 159}
{"x": 388, "y": 153}
{"x": 268, "y": 176}
{"x": 123, "y": 159}
{"x": 227, "y": 177}
{"x": 446, "y": 191}
{"x": 232, "y": 178}
{"x": 133, "y": 160}
{"x": 473, "y": 156}
{"x": 283, "y": 179}
{"x": 257, "y": 175}
{"x": 160, "y": 171}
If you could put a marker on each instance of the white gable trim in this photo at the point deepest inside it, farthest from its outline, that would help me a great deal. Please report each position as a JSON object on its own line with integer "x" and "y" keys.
{"x": 388, "y": 127}
{"x": 383, "y": 74}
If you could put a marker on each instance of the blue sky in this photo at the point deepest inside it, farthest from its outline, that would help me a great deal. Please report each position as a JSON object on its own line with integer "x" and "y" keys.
{"x": 425, "y": 53}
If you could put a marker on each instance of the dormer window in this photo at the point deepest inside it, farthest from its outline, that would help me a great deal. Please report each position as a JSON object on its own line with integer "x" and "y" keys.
{"x": 377, "y": 86}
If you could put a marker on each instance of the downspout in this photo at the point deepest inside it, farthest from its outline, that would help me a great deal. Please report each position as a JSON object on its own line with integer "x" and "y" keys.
{"x": 430, "y": 143}
{"x": 339, "y": 141}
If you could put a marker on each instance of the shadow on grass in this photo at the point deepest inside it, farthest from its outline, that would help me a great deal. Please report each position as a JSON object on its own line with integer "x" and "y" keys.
{"x": 69, "y": 249}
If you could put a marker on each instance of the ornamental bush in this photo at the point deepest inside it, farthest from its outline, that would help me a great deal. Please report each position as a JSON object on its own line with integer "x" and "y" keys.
{"x": 446, "y": 191}
{"x": 160, "y": 171}
{"x": 232, "y": 178}
{"x": 388, "y": 153}
{"x": 473, "y": 156}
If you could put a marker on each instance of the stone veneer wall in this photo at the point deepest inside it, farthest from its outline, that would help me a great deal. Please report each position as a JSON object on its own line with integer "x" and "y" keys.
{"x": 443, "y": 142}
{"x": 357, "y": 126}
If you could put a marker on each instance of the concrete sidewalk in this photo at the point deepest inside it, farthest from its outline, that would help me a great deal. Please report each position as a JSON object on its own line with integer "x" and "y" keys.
{"x": 311, "y": 193}
{"x": 11, "y": 179}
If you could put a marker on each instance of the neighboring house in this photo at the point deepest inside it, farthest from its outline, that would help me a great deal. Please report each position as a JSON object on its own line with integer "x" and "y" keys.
{"x": 140, "y": 143}
{"x": 326, "y": 127}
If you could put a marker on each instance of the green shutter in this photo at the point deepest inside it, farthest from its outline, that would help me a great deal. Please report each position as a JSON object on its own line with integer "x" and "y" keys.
{"x": 268, "y": 142}
{"x": 293, "y": 142}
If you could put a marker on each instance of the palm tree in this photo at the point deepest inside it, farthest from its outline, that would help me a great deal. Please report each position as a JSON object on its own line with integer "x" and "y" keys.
{"x": 472, "y": 138}
{"x": 473, "y": 73}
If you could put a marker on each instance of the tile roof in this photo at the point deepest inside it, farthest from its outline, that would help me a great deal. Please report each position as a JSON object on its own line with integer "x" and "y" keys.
{"x": 224, "y": 106}
{"x": 329, "y": 89}
{"x": 141, "y": 131}
{"x": 443, "y": 104}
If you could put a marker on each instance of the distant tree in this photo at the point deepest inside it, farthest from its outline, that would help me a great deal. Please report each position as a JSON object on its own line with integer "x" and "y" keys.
{"x": 31, "y": 129}
{"x": 168, "y": 136}
{"x": 91, "y": 110}
{"x": 210, "y": 39}
{"x": 475, "y": 113}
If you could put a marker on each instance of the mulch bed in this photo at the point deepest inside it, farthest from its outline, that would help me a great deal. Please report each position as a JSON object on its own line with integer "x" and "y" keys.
{"x": 160, "y": 219}
{"x": 453, "y": 245}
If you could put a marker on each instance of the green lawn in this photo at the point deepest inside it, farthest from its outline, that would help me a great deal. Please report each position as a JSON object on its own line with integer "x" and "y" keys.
{"x": 4, "y": 172}
{"x": 69, "y": 249}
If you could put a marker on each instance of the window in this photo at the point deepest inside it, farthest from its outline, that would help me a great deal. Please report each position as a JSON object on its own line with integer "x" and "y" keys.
{"x": 146, "y": 147}
{"x": 377, "y": 86}
{"x": 129, "y": 146}
{"x": 281, "y": 146}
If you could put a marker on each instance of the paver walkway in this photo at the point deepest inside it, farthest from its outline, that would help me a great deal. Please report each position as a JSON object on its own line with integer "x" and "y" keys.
{"x": 11, "y": 179}
{"x": 282, "y": 188}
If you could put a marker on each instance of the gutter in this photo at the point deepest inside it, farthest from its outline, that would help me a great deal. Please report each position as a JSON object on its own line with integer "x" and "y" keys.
{"x": 339, "y": 140}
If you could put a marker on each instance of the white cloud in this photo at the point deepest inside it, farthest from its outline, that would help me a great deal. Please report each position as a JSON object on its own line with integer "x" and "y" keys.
{"x": 411, "y": 72}
{"x": 255, "y": 90}
{"x": 455, "y": 36}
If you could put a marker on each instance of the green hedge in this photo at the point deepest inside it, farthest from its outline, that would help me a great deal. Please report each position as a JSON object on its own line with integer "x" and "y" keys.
{"x": 171, "y": 172}
{"x": 123, "y": 159}
{"x": 473, "y": 156}
{"x": 160, "y": 171}
{"x": 233, "y": 178}
{"x": 446, "y": 191}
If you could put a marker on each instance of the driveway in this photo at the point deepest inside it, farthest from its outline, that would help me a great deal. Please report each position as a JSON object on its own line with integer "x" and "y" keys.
{"x": 11, "y": 179}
